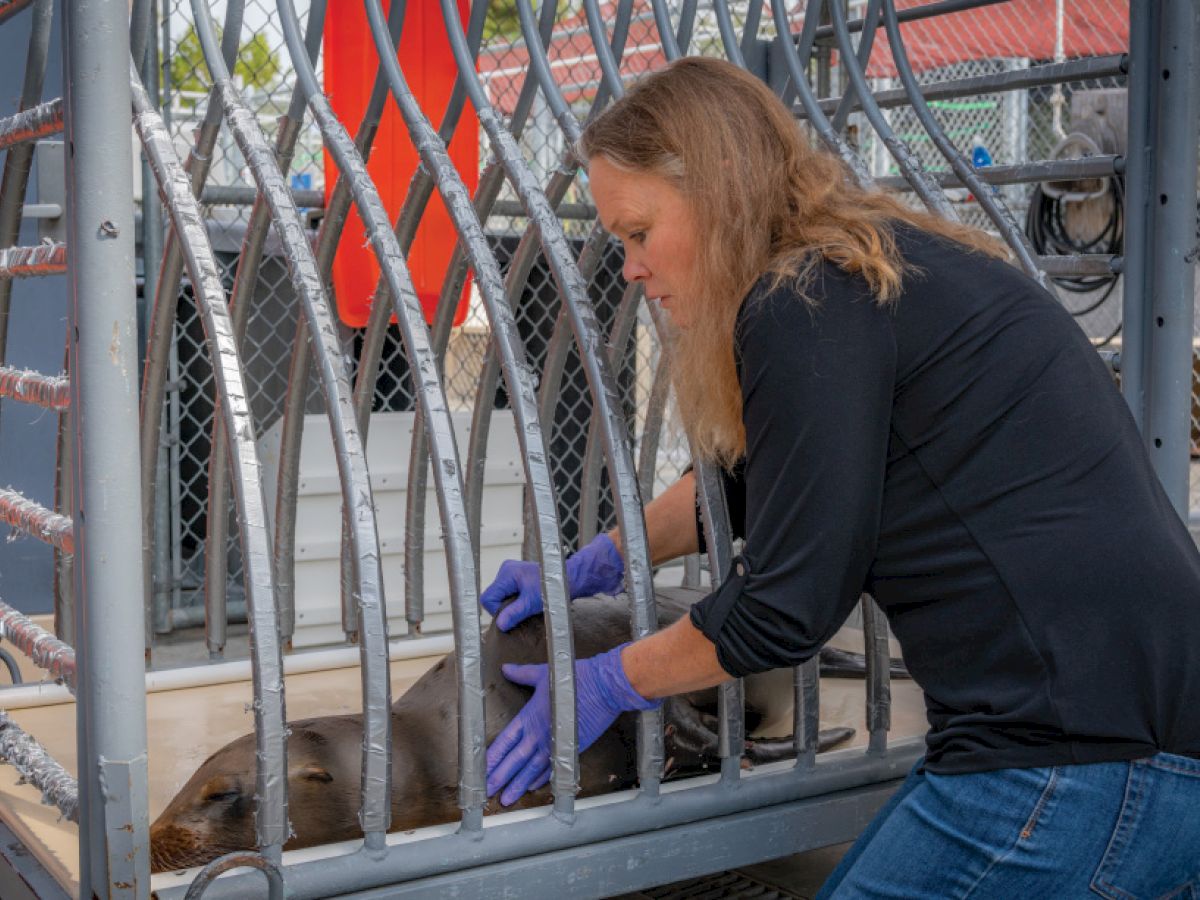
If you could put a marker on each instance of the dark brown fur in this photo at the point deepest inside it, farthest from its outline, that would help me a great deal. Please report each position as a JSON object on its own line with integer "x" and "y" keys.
{"x": 213, "y": 813}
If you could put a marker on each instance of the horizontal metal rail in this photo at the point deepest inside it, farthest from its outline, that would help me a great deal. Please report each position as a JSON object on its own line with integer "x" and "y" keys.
{"x": 47, "y": 391}
{"x": 1091, "y": 67}
{"x": 678, "y": 805}
{"x": 1028, "y": 173}
{"x": 29, "y": 262}
{"x": 222, "y": 195}
{"x": 39, "y": 768}
{"x": 32, "y": 124}
{"x": 43, "y": 649}
{"x": 32, "y": 518}
{"x": 925, "y": 11}
{"x": 1087, "y": 264}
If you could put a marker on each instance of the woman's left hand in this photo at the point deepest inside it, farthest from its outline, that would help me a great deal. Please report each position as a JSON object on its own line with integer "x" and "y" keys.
{"x": 519, "y": 759}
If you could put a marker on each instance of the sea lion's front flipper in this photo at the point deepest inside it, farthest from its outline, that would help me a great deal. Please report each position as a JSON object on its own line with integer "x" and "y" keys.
{"x": 765, "y": 750}
{"x": 837, "y": 663}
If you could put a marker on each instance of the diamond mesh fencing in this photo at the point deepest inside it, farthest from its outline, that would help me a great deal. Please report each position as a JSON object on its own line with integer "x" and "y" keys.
{"x": 1001, "y": 128}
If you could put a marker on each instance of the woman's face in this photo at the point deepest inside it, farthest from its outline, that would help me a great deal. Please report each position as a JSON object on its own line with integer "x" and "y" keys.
{"x": 657, "y": 229}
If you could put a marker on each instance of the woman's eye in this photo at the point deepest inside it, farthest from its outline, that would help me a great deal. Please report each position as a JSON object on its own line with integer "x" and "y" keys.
{"x": 638, "y": 237}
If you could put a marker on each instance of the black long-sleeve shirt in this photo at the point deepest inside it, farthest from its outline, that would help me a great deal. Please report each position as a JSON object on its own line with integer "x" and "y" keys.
{"x": 963, "y": 456}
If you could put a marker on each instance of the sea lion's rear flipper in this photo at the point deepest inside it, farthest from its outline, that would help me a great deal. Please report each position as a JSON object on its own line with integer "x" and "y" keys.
{"x": 767, "y": 750}
{"x": 837, "y": 663}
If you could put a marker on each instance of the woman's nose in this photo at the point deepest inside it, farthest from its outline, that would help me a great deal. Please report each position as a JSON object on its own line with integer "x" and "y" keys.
{"x": 633, "y": 270}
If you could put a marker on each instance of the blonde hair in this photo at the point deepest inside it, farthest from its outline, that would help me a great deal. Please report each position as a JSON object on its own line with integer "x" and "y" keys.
{"x": 767, "y": 203}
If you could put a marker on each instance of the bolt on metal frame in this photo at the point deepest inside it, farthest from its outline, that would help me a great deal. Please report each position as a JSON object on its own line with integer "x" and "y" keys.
{"x": 105, "y": 83}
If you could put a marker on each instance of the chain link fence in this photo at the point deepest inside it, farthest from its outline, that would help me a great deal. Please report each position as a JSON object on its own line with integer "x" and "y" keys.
{"x": 1001, "y": 128}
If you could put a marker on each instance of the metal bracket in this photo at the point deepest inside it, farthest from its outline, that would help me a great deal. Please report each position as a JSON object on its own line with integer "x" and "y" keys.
{"x": 123, "y": 787}
{"x": 51, "y": 192}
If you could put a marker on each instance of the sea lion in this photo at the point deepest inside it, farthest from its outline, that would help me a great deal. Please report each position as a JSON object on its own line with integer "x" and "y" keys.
{"x": 213, "y": 813}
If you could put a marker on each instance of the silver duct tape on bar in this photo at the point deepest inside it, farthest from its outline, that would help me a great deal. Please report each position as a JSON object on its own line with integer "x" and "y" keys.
{"x": 806, "y": 680}
{"x": 1027, "y": 173}
{"x": 520, "y": 382}
{"x": 30, "y": 262}
{"x": 249, "y": 491}
{"x": 166, "y": 298}
{"x": 879, "y": 676}
{"x": 32, "y": 124}
{"x": 34, "y": 519}
{"x": 44, "y": 649}
{"x": 996, "y": 209}
{"x": 21, "y": 751}
{"x": 46, "y": 391}
{"x": 216, "y": 563}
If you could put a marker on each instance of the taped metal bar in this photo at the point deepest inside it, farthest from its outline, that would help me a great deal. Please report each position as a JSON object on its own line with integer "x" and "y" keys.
{"x": 32, "y": 124}
{"x": 216, "y": 562}
{"x": 996, "y": 209}
{"x": 32, "y": 262}
{"x": 235, "y": 195}
{"x": 520, "y": 382}
{"x": 910, "y": 166}
{"x": 239, "y": 448}
{"x": 806, "y": 711}
{"x": 600, "y": 382}
{"x": 796, "y": 59}
{"x": 639, "y": 815}
{"x": 43, "y": 649}
{"x": 46, "y": 391}
{"x": 1085, "y": 69}
{"x": 19, "y": 158}
{"x": 1087, "y": 264}
{"x": 419, "y": 192}
{"x": 23, "y": 752}
{"x": 1027, "y": 173}
{"x": 878, "y": 686}
{"x": 34, "y": 519}
{"x": 159, "y": 333}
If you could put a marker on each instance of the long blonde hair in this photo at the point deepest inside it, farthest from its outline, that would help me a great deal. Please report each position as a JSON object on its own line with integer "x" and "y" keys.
{"x": 767, "y": 203}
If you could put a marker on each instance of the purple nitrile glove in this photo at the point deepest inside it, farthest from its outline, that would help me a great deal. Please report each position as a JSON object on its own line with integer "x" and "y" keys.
{"x": 519, "y": 759}
{"x": 596, "y": 569}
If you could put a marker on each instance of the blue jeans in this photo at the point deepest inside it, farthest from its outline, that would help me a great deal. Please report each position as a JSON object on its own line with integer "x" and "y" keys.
{"x": 1125, "y": 831}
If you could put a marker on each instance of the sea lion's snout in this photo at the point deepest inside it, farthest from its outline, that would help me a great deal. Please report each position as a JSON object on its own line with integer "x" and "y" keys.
{"x": 211, "y": 816}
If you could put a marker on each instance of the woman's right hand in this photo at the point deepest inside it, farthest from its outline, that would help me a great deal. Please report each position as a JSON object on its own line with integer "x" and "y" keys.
{"x": 596, "y": 569}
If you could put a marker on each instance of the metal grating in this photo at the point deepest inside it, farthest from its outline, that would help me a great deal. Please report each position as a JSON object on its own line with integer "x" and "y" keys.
{"x": 715, "y": 887}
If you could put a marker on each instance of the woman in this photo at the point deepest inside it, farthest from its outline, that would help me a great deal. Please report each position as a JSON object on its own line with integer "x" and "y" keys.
{"x": 920, "y": 421}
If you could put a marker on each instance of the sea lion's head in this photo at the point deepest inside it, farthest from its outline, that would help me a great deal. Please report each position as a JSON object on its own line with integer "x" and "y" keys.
{"x": 213, "y": 814}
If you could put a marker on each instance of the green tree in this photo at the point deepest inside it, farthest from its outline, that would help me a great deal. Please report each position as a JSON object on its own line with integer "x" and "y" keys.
{"x": 257, "y": 65}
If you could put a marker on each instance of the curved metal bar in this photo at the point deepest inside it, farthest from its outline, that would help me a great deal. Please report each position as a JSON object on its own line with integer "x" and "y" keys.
{"x": 610, "y": 74}
{"x": 39, "y": 768}
{"x": 33, "y": 262}
{"x": 687, "y": 21}
{"x": 806, "y": 711}
{"x": 270, "y": 717}
{"x": 43, "y": 649}
{"x": 348, "y": 448}
{"x": 912, "y": 169}
{"x": 34, "y": 519}
{"x": 139, "y": 30}
{"x": 863, "y": 55}
{"x": 160, "y": 331}
{"x": 996, "y": 209}
{"x": 589, "y": 491}
{"x": 14, "y": 671}
{"x": 520, "y": 382}
{"x": 20, "y": 157}
{"x": 666, "y": 33}
{"x": 750, "y": 26}
{"x": 733, "y": 52}
{"x": 796, "y": 59}
{"x": 879, "y": 690}
{"x": 238, "y": 860}
{"x": 216, "y": 547}
{"x": 652, "y": 429}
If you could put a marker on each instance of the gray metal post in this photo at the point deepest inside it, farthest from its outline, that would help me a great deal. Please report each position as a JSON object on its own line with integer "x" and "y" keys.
{"x": 1139, "y": 214}
{"x": 1174, "y": 249}
{"x": 113, "y": 825}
